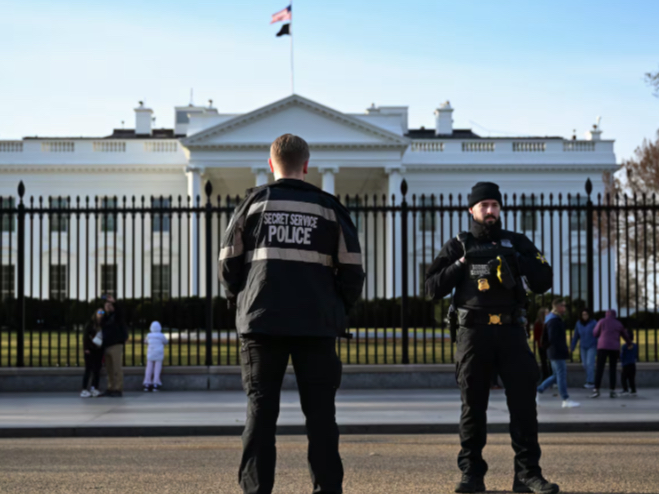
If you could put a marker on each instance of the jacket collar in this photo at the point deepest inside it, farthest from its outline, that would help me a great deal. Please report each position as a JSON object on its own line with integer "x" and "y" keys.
{"x": 550, "y": 316}
{"x": 294, "y": 183}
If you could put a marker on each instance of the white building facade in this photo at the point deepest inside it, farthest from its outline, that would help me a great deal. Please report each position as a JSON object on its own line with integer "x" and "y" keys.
{"x": 364, "y": 154}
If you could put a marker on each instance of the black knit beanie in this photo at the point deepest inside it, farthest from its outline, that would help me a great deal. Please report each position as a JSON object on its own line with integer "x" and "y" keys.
{"x": 484, "y": 191}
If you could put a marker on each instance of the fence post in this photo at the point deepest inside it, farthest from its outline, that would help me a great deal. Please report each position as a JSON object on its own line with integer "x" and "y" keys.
{"x": 20, "y": 296}
{"x": 590, "y": 250}
{"x": 209, "y": 274}
{"x": 404, "y": 309}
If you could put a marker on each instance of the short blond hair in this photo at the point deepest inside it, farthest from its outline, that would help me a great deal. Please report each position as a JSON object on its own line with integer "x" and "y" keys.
{"x": 289, "y": 152}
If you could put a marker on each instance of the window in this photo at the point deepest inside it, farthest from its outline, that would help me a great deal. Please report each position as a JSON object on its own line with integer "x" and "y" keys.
{"x": 578, "y": 218}
{"x": 182, "y": 117}
{"x": 579, "y": 280}
{"x": 425, "y": 217}
{"x": 160, "y": 219}
{"x": 109, "y": 279}
{"x": 58, "y": 282}
{"x": 109, "y": 220}
{"x": 59, "y": 220}
{"x": 355, "y": 202}
{"x": 528, "y": 219}
{"x": 160, "y": 281}
{"x": 8, "y": 218}
{"x": 6, "y": 281}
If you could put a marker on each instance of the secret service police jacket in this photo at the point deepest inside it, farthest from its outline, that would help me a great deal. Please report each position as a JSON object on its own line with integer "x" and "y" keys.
{"x": 291, "y": 262}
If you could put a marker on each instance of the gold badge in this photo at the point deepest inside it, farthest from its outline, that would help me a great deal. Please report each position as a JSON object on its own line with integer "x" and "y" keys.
{"x": 495, "y": 319}
{"x": 483, "y": 285}
{"x": 541, "y": 258}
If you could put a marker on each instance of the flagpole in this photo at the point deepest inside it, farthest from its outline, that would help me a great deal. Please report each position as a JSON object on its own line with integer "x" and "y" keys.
{"x": 291, "y": 35}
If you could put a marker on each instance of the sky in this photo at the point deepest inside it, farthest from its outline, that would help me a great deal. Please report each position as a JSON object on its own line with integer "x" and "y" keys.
{"x": 78, "y": 68}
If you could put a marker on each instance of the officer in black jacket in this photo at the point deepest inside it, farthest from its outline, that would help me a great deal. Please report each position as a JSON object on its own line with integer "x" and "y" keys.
{"x": 291, "y": 262}
{"x": 491, "y": 270}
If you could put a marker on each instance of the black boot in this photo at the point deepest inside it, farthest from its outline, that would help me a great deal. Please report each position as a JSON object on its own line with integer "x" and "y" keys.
{"x": 470, "y": 483}
{"x": 536, "y": 484}
{"x": 519, "y": 486}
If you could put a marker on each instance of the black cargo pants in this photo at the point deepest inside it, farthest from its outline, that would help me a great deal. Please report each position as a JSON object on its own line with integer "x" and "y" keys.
{"x": 482, "y": 350}
{"x": 318, "y": 373}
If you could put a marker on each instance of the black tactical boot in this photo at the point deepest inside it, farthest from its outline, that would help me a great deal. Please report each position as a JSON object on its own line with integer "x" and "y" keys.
{"x": 519, "y": 486}
{"x": 470, "y": 483}
{"x": 535, "y": 484}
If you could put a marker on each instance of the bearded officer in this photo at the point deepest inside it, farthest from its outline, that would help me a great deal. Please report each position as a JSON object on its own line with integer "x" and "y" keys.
{"x": 490, "y": 270}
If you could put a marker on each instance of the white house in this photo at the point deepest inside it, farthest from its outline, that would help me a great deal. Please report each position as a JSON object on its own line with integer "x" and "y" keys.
{"x": 367, "y": 153}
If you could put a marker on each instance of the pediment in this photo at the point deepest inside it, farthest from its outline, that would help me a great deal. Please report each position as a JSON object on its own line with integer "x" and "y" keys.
{"x": 319, "y": 125}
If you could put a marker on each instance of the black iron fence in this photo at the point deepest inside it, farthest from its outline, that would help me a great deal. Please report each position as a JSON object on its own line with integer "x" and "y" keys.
{"x": 158, "y": 257}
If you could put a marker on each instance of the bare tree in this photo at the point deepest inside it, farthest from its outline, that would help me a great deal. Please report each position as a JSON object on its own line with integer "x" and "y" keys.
{"x": 652, "y": 79}
{"x": 633, "y": 230}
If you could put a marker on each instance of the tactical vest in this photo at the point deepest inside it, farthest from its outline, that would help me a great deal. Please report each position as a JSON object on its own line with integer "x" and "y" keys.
{"x": 483, "y": 287}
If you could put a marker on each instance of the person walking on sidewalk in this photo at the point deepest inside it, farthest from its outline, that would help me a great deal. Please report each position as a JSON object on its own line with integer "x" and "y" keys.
{"x": 114, "y": 337}
{"x": 555, "y": 337}
{"x": 584, "y": 332}
{"x": 490, "y": 268}
{"x": 628, "y": 359}
{"x": 291, "y": 262}
{"x": 609, "y": 331}
{"x": 155, "y": 355}
{"x": 93, "y": 352}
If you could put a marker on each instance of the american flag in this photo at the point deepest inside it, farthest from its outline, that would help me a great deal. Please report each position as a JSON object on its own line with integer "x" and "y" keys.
{"x": 282, "y": 15}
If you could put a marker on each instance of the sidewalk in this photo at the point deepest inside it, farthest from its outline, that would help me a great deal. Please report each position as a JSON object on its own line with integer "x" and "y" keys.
{"x": 358, "y": 412}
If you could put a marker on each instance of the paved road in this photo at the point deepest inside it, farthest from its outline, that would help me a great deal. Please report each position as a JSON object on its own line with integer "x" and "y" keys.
{"x": 581, "y": 463}
{"x": 358, "y": 411}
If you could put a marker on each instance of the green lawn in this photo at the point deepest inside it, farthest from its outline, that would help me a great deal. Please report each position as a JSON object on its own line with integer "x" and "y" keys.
{"x": 51, "y": 349}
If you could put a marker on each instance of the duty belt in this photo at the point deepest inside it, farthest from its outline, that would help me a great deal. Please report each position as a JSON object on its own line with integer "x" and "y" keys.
{"x": 489, "y": 318}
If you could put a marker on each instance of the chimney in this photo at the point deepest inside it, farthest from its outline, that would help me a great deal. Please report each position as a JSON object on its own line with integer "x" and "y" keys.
{"x": 143, "y": 120}
{"x": 596, "y": 133}
{"x": 444, "y": 119}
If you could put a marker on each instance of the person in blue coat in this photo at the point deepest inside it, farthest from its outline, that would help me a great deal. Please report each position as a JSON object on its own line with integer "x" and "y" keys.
{"x": 584, "y": 332}
{"x": 555, "y": 340}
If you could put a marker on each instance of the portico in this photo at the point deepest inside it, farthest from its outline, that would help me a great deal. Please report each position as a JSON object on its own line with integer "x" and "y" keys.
{"x": 233, "y": 154}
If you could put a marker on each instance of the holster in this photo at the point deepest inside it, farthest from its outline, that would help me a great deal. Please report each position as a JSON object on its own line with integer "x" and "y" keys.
{"x": 452, "y": 322}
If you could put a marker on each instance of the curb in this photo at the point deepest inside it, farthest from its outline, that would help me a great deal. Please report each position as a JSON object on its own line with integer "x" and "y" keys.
{"x": 361, "y": 429}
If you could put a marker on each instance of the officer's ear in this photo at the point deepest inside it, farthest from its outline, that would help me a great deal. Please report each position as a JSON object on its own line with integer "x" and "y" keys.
{"x": 272, "y": 168}
{"x": 471, "y": 211}
{"x": 305, "y": 167}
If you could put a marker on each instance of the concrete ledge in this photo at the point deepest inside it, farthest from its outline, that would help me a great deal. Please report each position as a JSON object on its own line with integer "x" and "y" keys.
{"x": 225, "y": 378}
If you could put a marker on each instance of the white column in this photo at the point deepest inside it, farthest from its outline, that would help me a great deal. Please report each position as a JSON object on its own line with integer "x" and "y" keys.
{"x": 328, "y": 178}
{"x": 394, "y": 232}
{"x": 194, "y": 189}
{"x": 261, "y": 174}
